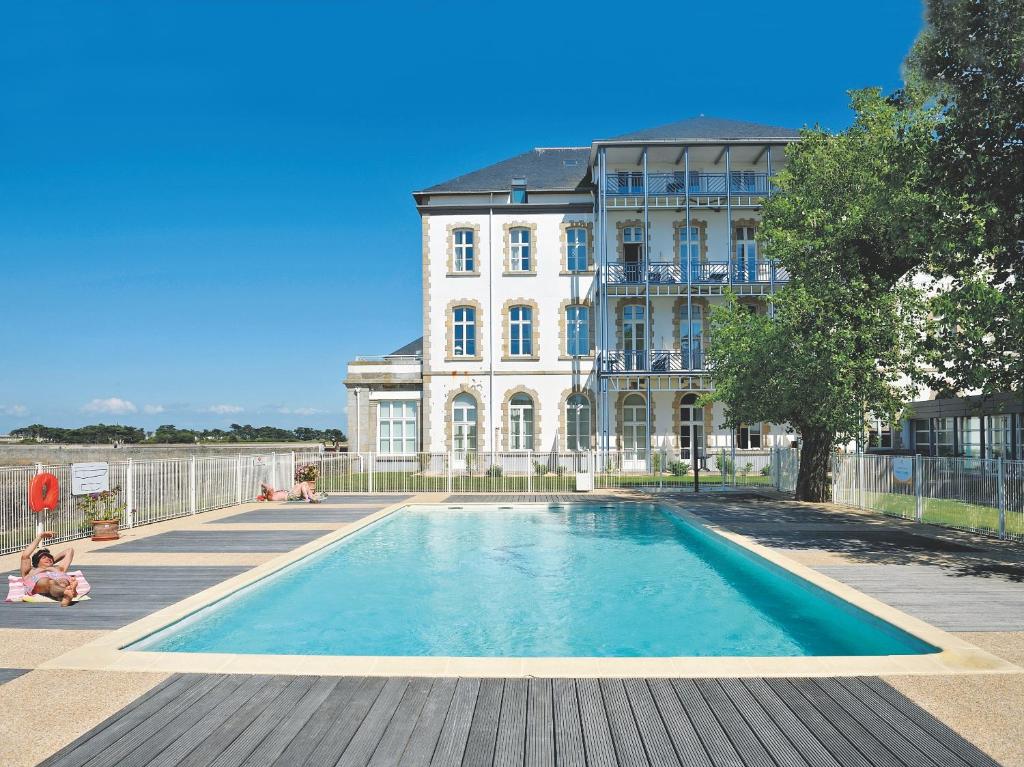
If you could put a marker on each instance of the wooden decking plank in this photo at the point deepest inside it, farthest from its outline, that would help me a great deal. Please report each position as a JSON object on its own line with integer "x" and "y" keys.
{"x": 922, "y": 740}
{"x": 934, "y": 727}
{"x": 716, "y": 742}
{"x": 743, "y": 738}
{"x": 399, "y": 729}
{"x": 175, "y": 679}
{"x": 264, "y": 723}
{"x": 209, "y": 707}
{"x": 687, "y": 743}
{"x": 629, "y": 749}
{"x": 344, "y": 727}
{"x": 420, "y": 748}
{"x": 597, "y": 734}
{"x": 864, "y": 741}
{"x": 147, "y": 718}
{"x": 510, "y": 743}
{"x": 569, "y": 749}
{"x": 483, "y": 730}
{"x": 779, "y": 749}
{"x": 451, "y": 744}
{"x": 277, "y": 741}
{"x": 833, "y": 739}
{"x": 653, "y": 733}
{"x": 322, "y": 720}
{"x": 232, "y": 726}
{"x": 812, "y": 750}
{"x": 364, "y": 742}
{"x": 540, "y": 725}
{"x": 891, "y": 737}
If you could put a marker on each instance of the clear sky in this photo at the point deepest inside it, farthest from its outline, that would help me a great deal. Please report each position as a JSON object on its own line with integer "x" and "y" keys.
{"x": 205, "y": 207}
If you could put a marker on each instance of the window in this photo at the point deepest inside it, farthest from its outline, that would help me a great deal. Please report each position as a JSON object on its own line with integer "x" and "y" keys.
{"x": 691, "y": 336}
{"x": 633, "y": 252}
{"x": 465, "y": 331}
{"x": 748, "y": 436}
{"x": 519, "y": 249}
{"x": 691, "y": 429}
{"x": 634, "y": 336}
{"x": 746, "y": 254}
{"x": 465, "y": 260}
{"x": 518, "y": 191}
{"x": 576, "y": 244}
{"x": 520, "y": 331}
{"x": 577, "y": 328}
{"x": 689, "y": 252}
{"x": 577, "y": 422}
{"x": 520, "y": 422}
{"x": 970, "y": 437}
{"x": 922, "y": 436}
{"x": 999, "y": 436}
{"x": 634, "y": 427}
{"x": 396, "y": 426}
{"x": 880, "y": 435}
{"x": 464, "y": 423}
{"x": 944, "y": 437}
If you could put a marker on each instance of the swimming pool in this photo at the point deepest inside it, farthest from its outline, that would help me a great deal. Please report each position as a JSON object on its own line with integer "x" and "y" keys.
{"x": 620, "y": 580}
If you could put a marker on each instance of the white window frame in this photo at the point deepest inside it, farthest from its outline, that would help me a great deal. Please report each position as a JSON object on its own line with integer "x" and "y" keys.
{"x": 691, "y": 336}
{"x": 464, "y": 250}
{"x": 577, "y": 423}
{"x": 634, "y": 427}
{"x": 576, "y": 249}
{"x": 464, "y": 429}
{"x": 468, "y": 327}
{"x": 746, "y": 252}
{"x": 519, "y": 249}
{"x": 520, "y": 422}
{"x": 691, "y": 422}
{"x": 397, "y": 425}
{"x": 577, "y": 330}
{"x": 520, "y": 331}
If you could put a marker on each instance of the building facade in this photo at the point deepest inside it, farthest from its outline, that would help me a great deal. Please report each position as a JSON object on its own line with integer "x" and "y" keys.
{"x": 566, "y": 296}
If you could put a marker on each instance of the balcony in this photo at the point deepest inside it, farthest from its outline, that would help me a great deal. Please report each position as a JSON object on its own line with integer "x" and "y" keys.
{"x": 700, "y": 184}
{"x": 653, "y": 361}
{"x": 704, "y": 273}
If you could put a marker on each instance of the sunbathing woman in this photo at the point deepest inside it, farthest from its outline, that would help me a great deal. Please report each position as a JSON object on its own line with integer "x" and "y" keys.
{"x": 302, "y": 491}
{"x": 42, "y": 575}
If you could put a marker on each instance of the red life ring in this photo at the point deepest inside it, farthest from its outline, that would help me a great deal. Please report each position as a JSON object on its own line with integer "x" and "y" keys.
{"x": 43, "y": 492}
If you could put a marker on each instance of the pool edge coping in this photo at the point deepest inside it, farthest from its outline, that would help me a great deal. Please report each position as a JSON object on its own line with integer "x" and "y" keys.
{"x": 106, "y": 653}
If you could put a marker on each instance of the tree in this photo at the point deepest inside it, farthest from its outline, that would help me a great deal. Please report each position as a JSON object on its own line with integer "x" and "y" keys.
{"x": 849, "y": 225}
{"x": 971, "y": 54}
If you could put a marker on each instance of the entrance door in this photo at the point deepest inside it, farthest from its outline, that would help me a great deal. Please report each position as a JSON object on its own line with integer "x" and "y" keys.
{"x": 691, "y": 429}
{"x": 463, "y": 431}
{"x": 633, "y": 253}
{"x": 634, "y": 433}
{"x": 634, "y": 329}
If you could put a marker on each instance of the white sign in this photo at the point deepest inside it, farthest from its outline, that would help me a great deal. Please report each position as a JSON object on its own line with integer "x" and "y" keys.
{"x": 902, "y": 468}
{"x": 89, "y": 478}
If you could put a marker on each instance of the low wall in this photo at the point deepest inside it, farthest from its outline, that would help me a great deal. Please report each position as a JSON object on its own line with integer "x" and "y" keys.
{"x": 23, "y": 455}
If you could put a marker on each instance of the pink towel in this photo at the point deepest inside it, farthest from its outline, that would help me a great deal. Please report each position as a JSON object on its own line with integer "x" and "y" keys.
{"x": 16, "y": 590}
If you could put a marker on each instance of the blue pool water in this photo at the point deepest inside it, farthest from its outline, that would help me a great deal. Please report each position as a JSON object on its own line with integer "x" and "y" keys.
{"x": 627, "y": 580}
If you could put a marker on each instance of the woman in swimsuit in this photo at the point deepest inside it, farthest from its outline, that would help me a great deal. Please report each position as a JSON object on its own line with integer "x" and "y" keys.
{"x": 302, "y": 491}
{"x": 42, "y": 575}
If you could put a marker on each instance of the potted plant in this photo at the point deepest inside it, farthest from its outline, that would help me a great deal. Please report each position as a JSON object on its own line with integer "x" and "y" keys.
{"x": 307, "y": 472}
{"x": 103, "y": 511}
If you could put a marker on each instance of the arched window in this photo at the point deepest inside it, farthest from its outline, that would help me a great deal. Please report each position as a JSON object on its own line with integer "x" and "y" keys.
{"x": 691, "y": 429}
{"x": 577, "y": 422}
{"x": 464, "y": 423}
{"x": 520, "y": 422}
{"x": 634, "y": 427}
{"x": 691, "y": 336}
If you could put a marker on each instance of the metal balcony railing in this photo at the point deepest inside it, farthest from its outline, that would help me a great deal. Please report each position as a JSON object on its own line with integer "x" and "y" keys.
{"x": 704, "y": 273}
{"x": 631, "y": 183}
{"x": 651, "y": 361}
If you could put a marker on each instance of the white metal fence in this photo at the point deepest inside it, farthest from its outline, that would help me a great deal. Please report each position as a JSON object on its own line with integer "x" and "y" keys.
{"x": 981, "y": 495}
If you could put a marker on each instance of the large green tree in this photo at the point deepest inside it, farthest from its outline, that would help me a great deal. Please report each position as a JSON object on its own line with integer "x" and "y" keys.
{"x": 971, "y": 55}
{"x": 848, "y": 225}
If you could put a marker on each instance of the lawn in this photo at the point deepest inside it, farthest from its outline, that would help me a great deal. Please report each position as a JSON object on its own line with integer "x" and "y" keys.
{"x": 941, "y": 511}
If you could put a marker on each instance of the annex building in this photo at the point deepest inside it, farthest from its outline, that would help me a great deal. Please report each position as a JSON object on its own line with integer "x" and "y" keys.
{"x": 566, "y": 294}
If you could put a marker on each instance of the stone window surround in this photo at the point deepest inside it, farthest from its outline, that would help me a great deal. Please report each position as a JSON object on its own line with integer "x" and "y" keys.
{"x": 449, "y": 402}
{"x": 677, "y": 238}
{"x": 677, "y": 422}
{"x": 506, "y": 412}
{"x": 563, "y": 425}
{"x": 563, "y": 240}
{"x": 449, "y": 327}
{"x": 450, "y": 249}
{"x": 507, "y": 248}
{"x": 563, "y": 329}
{"x": 506, "y": 330}
{"x": 620, "y": 421}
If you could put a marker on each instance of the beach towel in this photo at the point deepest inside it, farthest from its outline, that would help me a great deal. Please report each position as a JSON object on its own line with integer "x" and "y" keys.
{"x": 16, "y": 591}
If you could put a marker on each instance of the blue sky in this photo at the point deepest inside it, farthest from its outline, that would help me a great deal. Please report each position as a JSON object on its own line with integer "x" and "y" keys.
{"x": 205, "y": 207}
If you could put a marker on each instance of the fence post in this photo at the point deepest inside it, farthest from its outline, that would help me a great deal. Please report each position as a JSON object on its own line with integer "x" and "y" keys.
{"x": 192, "y": 484}
{"x": 918, "y": 488}
{"x": 273, "y": 469}
{"x": 1002, "y": 499}
{"x": 448, "y": 458}
{"x": 238, "y": 478}
{"x": 370, "y": 462}
{"x": 39, "y": 516}
{"x": 291, "y": 475}
{"x": 860, "y": 480}
{"x": 529, "y": 471}
{"x": 129, "y": 495}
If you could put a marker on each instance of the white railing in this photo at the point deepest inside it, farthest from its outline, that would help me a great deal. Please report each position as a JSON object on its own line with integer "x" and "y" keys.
{"x": 981, "y": 495}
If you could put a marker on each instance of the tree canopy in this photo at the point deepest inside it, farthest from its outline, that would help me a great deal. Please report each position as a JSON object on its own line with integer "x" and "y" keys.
{"x": 169, "y": 434}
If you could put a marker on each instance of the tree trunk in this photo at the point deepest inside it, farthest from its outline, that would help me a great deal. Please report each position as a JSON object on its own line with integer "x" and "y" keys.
{"x": 815, "y": 456}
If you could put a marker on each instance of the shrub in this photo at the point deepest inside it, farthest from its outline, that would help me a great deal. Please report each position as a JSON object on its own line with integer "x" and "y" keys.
{"x": 679, "y": 468}
{"x": 559, "y": 470}
{"x": 494, "y": 471}
{"x": 540, "y": 469}
{"x": 103, "y": 505}
{"x": 748, "y": 467}
{"x": 766, "y": 470}
{"x": 307, "y": 472}
{"x": 725, "y": 463}
{"x": 656, "y": 463}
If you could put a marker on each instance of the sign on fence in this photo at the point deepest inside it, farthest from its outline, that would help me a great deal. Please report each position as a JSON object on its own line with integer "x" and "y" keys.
{"x": 902, "y": 468}
{"x": 89, "y": 478}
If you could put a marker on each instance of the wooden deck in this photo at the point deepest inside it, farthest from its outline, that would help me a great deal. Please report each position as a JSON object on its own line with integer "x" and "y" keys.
{"x": 232, "y": 720}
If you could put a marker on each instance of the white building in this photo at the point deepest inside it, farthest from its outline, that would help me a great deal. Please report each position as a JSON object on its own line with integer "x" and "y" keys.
{"x": 566, "y": 294}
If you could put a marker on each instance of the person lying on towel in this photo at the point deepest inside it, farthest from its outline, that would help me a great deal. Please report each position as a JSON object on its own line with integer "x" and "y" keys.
{"x": 42, "y": 574}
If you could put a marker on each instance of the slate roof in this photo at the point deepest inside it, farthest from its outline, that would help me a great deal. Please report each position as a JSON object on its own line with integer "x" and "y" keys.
{"x": 560, "y": 168}
{"x": 709, "y": 129}
{"x": 411, "y": 348}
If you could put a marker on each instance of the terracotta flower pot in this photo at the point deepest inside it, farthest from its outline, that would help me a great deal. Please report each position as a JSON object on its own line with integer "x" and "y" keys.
{"x": 104, "y": 530}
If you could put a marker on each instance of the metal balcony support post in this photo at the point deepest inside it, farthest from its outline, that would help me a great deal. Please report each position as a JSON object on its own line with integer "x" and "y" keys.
{"x": 648, "y": 330}
{"x": 129, "y": 495}
{"x": 689, "y": 264}
{"x": 918, "y": 488}
{"x": 602, "y": 231}
{"x": 1002, "y": 498}
{"x": 728, "y": 214}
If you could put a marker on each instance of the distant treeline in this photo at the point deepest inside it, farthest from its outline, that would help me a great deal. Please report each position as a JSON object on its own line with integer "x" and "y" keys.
{"x": 102, "y": 434}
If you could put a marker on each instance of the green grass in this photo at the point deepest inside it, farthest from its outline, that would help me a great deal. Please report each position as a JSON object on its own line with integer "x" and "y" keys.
{"x": 941, "y": 511}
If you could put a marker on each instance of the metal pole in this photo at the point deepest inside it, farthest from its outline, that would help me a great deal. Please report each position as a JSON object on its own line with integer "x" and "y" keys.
{"x": 918, "y": 488}
{"x": 192, "y": 484}
{"x": 238, "y": 478}
{"x": 728, "y": 213}
{"x": 860, "y": 480}
{"x": 292, "y": 475}
{"x": 1002, "y": 499}
{"x": 771, "y": 261}
{"x": 129, "y": 495}
{"x": 647, "y": 314}
{"x": 39, "y": 516}
{"x": 370, "y": 459}
{"x": 689, "y": 265}
{"x": 602, "y": 382}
